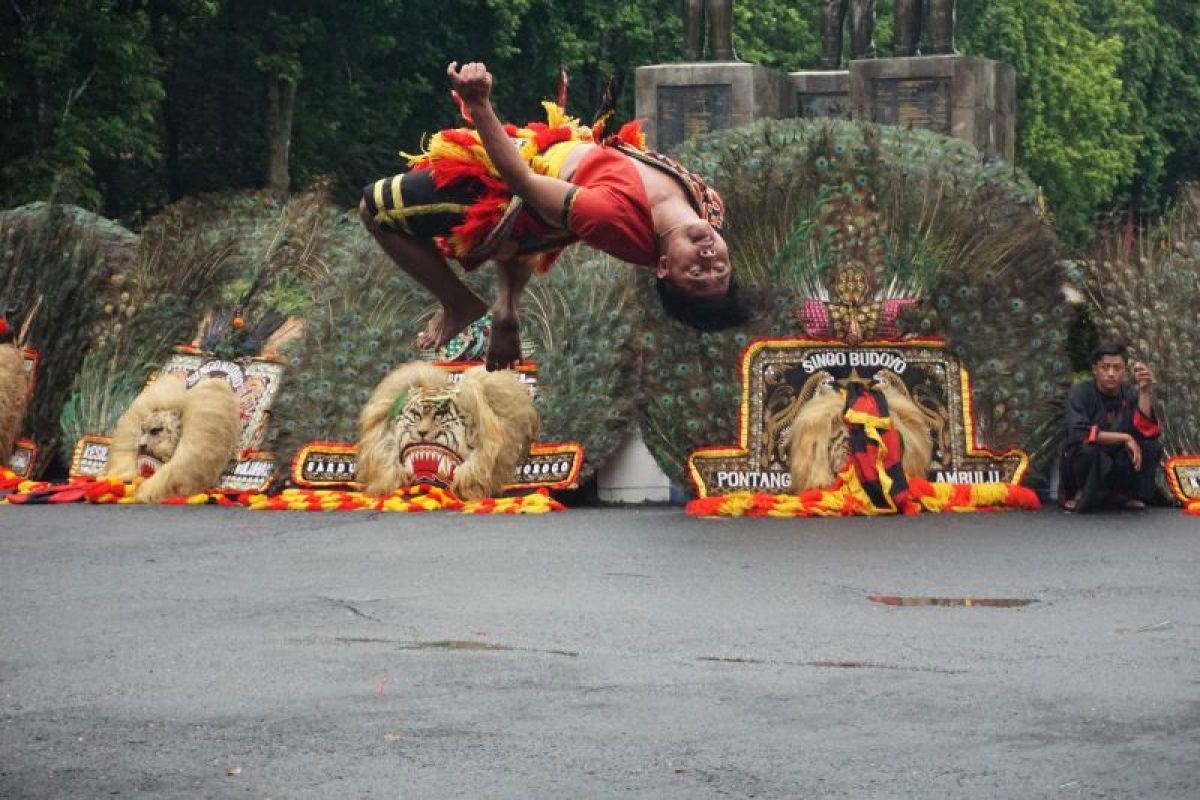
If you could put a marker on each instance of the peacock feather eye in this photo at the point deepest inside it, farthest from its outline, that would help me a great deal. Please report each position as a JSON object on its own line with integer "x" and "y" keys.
{"x": 698, "y": 395}
{"x": 683, "y": 369}
{"x": 861, "y": 180}
{"x": 339, "y": 361}
{"x": 1016, "y": 305}
{"x": 667, "y": 401}
{"x": 839, "y": 149}
{"x": 693, "y": 425}
{"x": 847, "y": 188}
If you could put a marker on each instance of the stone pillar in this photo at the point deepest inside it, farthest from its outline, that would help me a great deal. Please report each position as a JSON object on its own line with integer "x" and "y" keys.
{"x": 818, "y": 94}
{"x": 679, "y": 101}
{"x": 969, "y": 98}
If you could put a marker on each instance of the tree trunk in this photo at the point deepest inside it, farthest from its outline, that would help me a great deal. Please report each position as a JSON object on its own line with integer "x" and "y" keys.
{"x": 281, "y": 104}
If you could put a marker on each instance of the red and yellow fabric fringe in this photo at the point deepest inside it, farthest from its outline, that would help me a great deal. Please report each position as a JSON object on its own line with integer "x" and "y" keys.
{"x": 457, "y": 154}
{"x": 1192, "y": 507}
{"x": 848, "y": 498}
{"x": 111, "y": 491}
{"x": 406, "y": 500}
{"x": 12, "y": 482}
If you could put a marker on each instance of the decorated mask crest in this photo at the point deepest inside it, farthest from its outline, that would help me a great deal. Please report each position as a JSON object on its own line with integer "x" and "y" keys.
{"x": 420, "y": 427}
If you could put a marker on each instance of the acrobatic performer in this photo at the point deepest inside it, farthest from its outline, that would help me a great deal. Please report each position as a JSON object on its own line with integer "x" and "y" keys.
{"x": 519, "y": 196}
{"x": 1112, "y": 449}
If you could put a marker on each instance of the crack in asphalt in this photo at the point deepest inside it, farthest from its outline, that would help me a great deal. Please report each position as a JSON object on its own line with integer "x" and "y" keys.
{"x": 831, "y": 664}
{"x": 346, "y": 604}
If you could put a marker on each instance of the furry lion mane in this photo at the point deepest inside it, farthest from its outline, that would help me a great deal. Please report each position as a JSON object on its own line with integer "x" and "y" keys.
{"x": 506, "y": 423}
{"x": 211, "y": 427}
{"x": 14, "y": 387}
{"x": 819, "y": 443}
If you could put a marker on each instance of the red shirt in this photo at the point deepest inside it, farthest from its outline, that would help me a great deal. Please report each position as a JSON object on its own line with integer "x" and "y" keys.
{"x": 610, "y": 209}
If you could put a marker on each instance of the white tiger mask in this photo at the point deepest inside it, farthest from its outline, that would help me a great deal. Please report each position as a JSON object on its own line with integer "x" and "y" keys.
{"x": 420, "y": 427}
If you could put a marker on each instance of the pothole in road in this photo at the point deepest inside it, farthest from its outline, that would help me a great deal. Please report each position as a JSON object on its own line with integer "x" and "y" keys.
{"x": 951, "y": 602}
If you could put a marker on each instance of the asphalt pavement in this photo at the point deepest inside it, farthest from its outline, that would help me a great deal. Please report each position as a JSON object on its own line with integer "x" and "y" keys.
{"x": 596, "y": 653}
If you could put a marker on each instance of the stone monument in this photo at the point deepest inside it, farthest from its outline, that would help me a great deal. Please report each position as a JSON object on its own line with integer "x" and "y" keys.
{"x": 939, "y": 28}
{"x": 679, "y": 101}
{"x": 719, "y": 16}
{"x": 969, "y": 98}
{"x": 862, "y": 29}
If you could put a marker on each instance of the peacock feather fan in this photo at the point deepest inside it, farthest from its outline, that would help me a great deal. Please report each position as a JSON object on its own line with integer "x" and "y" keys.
{"x": 581, "y": 320}
{"x": 199, "y": 263}
{"x": 1142, "y": 287}
{"x": 58, "y": 260}
{"x": 929, "y": 218}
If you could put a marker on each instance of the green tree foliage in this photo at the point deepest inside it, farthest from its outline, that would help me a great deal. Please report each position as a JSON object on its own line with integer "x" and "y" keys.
{"x": 1160, "y": 79}
{"x": 79, "y": 91}
{"x": 125, "y": 105}
{"x": 1073, "y": 120}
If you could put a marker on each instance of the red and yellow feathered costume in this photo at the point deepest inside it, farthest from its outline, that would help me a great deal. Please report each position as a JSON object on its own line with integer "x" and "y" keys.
{"x": 454, "y": 195}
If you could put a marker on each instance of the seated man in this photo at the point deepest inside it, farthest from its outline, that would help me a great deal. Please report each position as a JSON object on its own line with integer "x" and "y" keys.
{"x": 519, "y": 203}
{"x": 1111, "y": 455}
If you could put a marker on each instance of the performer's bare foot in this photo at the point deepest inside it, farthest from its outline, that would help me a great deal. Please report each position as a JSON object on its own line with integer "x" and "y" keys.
{"x": 1071, "y": 505}
{"x": 1134, "y": 504}
{"x": 446, "y": 323}
{"x": 504, "y": 343}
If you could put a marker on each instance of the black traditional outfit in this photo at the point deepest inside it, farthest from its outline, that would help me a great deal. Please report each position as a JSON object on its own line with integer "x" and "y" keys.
{"x": 1101, "y": 473}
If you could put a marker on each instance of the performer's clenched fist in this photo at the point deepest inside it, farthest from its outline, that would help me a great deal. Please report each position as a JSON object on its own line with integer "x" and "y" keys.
{"x": 472, "y": 81}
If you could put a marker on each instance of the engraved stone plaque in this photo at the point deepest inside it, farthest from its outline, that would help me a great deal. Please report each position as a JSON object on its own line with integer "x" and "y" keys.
{"x": 922, "y": 103}
{"x": 823, "y": 105}
{"x": 687, "y": 111}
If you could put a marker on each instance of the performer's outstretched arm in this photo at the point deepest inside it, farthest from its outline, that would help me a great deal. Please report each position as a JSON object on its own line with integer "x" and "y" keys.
{"x": 474, "y": 85}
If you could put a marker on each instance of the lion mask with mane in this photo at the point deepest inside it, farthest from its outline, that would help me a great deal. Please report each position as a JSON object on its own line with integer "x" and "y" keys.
{"x": 419, "y": 426}
{"x": 820, "y": 443}
{"x": 14, "y": 389}
{"x": 179, "y": 439}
